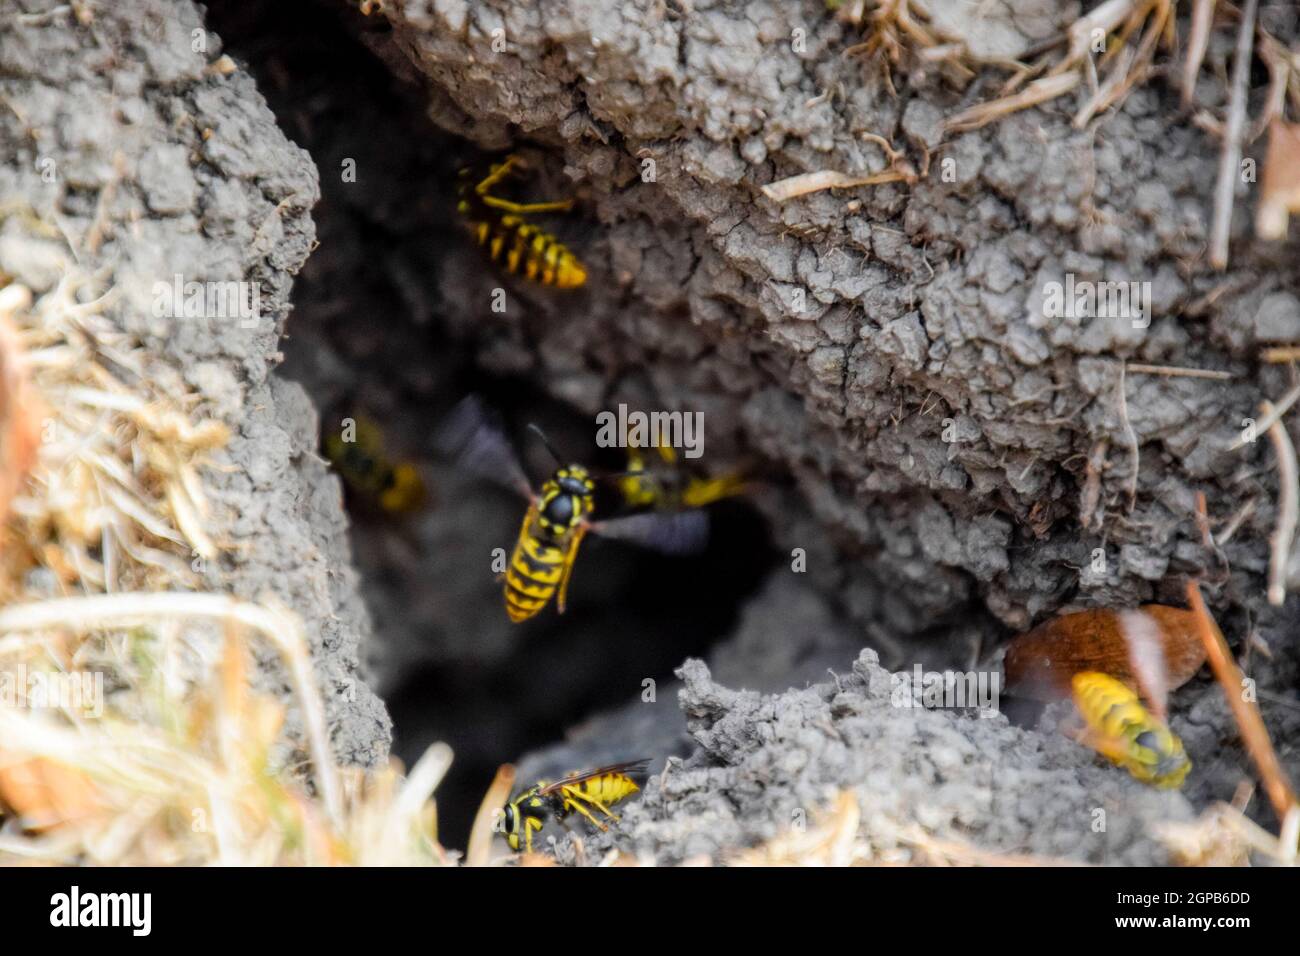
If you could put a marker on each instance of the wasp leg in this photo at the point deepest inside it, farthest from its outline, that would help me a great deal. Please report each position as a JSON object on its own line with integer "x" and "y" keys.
{"x": 603, "y": 809}
{"x": 700, "y": 491}
{"x": 519, "y": 209}
{"x": 498, "y": 172}
{"x": 586, "y": 813}
{"x": 569, "y": 559}
{"x": 575, "y": 801}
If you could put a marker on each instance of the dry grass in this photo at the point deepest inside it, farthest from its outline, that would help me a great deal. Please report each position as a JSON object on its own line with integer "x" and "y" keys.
{"x": 158, "y": 750}
{"x": 1108, "y": 52}
{"x": 1254, "y": 735}
{"x": 1111, "y": 50}
{"x": 114, "y": 502}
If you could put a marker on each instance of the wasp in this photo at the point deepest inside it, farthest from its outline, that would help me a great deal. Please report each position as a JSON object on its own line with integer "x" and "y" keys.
{"x": 643, "y": 488}
{"x": 581, "y": 793}
{"x": 1122, "y": 731}
{"x": 559, "y": 515}
{"x": 365, "y": 468}
{"x": 500, "y": 226}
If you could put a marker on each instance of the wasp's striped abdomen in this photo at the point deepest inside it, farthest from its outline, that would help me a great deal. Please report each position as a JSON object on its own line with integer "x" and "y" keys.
{"x": 511, "y": 240}
{"x": 536, "y": 567}
{"x": 1126, "y": 734}
{"x": 607, "y": 788}
{"x": 361, "y": 461}
{"x": 523, "y": 249}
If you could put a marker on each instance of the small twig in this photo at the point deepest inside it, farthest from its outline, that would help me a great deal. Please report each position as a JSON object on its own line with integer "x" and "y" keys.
{"x": 1282, "y": 353}
{"x": 1253, "y": 732}
{"x": 1230, "y": 158}
{"x": 1040, "y": 91}
{"x": 1288, "y": 508}
{"x": 1283, "y": 66}
{"x": 1104, "y": 17}
{"x": 1202, "y": 304}
{"x": 1203, "y": 520}
{"x": 1176, "y": 371}
{"x": 1244, "y": 512}
{"x": 1108, "y": 90}
{"x": 805, "y": 183}
{"x": 1202, "y": 514}
{"x": 1130, "y": 70}
{"x": 1091, "y": 493}
{"x": 1131, "y": 435}
{"x": 1198, "y": 41}
{"x": 1265, "y": 423}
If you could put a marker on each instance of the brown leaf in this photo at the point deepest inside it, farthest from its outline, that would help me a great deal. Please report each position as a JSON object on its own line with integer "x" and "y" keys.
{"x": 1279, "y": 192}
{"x": 1041, "y": 662}
{"x": 20, "y": 416}
{"x": 45, "y": 794}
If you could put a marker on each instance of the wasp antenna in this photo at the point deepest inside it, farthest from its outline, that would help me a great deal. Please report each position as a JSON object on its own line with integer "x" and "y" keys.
{"x": 546, "y": 442}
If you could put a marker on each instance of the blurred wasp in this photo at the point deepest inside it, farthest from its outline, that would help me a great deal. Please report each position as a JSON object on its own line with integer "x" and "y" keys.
{"x": 360, "y": 459}
{"x": 642, "y": 487}
{"x": 559, "y": 514}
{"x": 578, "y": 793}
{"x": 1121, "y": 730}
{"x": 1097, "y": 658}
{"x": 500, "y": 226}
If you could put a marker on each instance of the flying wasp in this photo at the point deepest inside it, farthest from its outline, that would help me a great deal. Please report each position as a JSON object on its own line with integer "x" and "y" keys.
{"x": 366, "y": 469}
{"x": 1121, "y": 730}
{"x": 642, "y": 487}
{"x": 559, "y": 514}
{"x": 500, "y": 226}
{"x": 581, "y": 793}
{"x": 1102, "y": 658}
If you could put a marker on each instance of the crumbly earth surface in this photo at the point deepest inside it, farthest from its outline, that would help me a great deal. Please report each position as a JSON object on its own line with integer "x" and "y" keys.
{"x": 154, "y": 163}
{"x": 764, "y": 764}
{"x": 880, "y": 358}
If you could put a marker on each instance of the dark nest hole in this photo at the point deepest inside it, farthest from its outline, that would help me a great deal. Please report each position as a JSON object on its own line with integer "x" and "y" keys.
{"x": 370, "y": 336}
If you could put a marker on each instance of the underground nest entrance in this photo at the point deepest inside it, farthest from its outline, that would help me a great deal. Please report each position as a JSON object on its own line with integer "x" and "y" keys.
{"x": 374, "y": 339}
{"x": 446, "y": 658}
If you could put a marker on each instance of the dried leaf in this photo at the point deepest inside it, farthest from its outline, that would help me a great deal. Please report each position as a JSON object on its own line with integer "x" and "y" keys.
{"x": 1279, "y": 193}
{"x": 20, "y": 410}
{"x": 45, "y": 794}
{"x": 1041, "y": 662}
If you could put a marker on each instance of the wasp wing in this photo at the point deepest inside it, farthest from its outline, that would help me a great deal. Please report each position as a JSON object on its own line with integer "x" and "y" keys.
{"x": 1146, "y": 653}
{"x": 632, "y": 768}
{"x": 676, "y": 532}
{"x": 473, "y": 437}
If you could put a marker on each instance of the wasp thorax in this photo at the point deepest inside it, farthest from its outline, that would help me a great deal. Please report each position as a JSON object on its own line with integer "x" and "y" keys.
{"x": 574, "y": 480}
{"x": 559, "y": 510}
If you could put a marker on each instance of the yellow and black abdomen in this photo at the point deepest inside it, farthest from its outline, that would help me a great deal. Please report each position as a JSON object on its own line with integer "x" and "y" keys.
{"x": 1126, "y": 734}
{"x": 518, "y": 245}
{"x": 395, "y": 486}
{"x": 640, "y": 489}
{"x": 607, "y": 788}
{"x": 535, "y": 571}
